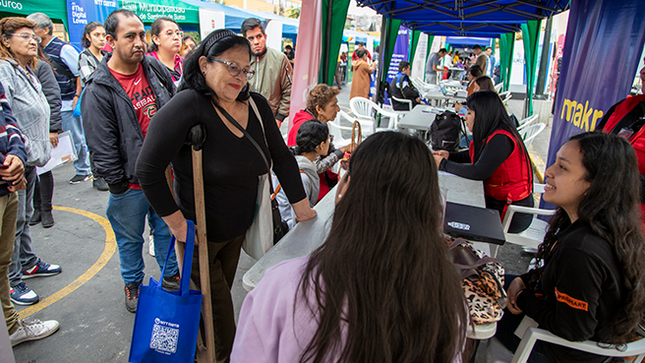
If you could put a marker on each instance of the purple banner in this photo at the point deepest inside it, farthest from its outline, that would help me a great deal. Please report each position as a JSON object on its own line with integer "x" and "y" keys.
{"x": 601, "y": 52}
{"x": 400, "y": 53}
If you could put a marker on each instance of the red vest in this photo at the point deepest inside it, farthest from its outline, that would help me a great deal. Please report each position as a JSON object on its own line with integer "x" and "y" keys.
{"x": 637, "y": 139}
{"x": 511, "y": 181}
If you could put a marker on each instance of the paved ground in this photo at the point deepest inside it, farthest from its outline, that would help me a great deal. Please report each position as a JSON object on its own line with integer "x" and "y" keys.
{"x": 87, "y": 298}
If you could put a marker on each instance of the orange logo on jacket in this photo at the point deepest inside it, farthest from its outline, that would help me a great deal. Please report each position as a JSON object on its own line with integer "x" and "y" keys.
{"x": 574, "y": 303}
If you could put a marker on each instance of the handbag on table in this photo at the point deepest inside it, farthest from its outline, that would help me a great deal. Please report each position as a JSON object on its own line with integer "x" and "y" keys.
{"x": 166, "y": 323}
{"x": 482, "y": 279}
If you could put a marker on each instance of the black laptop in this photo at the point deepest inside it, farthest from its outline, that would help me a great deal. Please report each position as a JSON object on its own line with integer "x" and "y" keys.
{"x": 473, "y": 223}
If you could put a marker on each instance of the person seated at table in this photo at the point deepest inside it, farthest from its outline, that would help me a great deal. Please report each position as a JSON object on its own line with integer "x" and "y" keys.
{"x": 591, "y": 285}
{"x": 483, "y": 83}
{"x": 322, "y": 105}
{"x": 473, "y": 73}
{"x": 313, "y": 142}
{"x": 496, "y": 155}
{"x": 379, "y": 289}
{"x": 403, "y": 88}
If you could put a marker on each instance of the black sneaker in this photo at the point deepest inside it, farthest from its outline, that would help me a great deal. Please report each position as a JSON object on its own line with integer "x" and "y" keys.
{"x": 132, "y": 296}
{"x": 99, "y": 184}
{"x": 79, "y": 178}
{"x": 171, "y": 283}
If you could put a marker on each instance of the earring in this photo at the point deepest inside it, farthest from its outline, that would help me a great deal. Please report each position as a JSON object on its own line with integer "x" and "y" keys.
{"x": 340, "y": 196}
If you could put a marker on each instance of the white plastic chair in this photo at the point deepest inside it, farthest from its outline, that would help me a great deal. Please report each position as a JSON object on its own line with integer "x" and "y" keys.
{"x": 496, "y": 350}
{"x": 403, "y": 100}
{"x": 529, "y": 133}
{"x": 336, "y": 130}
{"x": 530, "y": 238}
{"x": 498, "y": 87}
{"x": 527, "y": 121}
{"x": 363, "y": 109}
{"x": 505, "y": 96}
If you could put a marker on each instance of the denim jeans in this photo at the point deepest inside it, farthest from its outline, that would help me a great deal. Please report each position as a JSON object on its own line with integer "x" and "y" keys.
{"x": 24, "y": 257}
{"x": 75, "y": 127}
{"x": 127, "y": 214}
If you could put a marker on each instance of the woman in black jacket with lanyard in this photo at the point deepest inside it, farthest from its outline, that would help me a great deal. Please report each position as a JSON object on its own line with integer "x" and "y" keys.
{"x": 214, "y": 94}
{"x": 497, "y": 156}
{"x": 591, "y": 286}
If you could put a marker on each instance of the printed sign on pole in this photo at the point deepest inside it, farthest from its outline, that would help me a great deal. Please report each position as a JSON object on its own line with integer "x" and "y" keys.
{"x": 82, "y": 12}
{"x": 210, "y": 20}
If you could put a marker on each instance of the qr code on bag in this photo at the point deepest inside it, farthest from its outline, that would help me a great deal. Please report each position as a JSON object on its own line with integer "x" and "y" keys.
{"x": 164, "y": 338}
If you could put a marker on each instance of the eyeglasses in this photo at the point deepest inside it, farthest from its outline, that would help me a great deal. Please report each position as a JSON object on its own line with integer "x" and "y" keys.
{"x": 234, "y": 69}
{"x": 179, "y": 33}
{"x": 27, "y": 36}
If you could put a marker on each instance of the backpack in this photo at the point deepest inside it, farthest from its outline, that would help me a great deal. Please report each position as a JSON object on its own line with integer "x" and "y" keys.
{"x": 445, "y": 132}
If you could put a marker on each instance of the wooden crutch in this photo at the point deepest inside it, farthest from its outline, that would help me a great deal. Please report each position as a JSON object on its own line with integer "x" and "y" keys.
{"x": 205, "y": 352}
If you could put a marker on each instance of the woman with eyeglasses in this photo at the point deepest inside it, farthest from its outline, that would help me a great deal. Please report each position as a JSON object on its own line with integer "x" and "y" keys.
{"x": 214, "y": 95}
{"x": 166, "y": 44}
{"x": 23, "y": 90}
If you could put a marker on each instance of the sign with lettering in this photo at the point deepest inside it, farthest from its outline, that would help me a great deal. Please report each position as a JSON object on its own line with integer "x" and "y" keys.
{"x": 56, "y": 10}
{"x": 82, "y": 12}
{"x": 150, "y": 11}
{"x": 602, "y": 48}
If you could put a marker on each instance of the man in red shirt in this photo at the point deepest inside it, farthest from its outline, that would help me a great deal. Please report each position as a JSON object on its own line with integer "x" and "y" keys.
{"x": 118, "y": 104}
{"x": 360, "y": 46}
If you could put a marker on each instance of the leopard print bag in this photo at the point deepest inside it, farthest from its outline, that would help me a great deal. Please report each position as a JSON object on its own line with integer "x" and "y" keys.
{"x": 482, "y": 281}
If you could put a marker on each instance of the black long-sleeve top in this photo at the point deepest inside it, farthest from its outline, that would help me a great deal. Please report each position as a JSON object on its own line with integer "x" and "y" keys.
{"x": 582, "y": 289}
{"x": 231, "y": 165}
{"x": 498, "y": 149}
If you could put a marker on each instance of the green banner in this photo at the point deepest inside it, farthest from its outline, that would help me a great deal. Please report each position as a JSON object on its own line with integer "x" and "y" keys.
{"x": 391, "y": 33}
{"x": 150, "y": 11}
{"x": 506, "y": 46}
{"x": 530, "y": 33}
{"x": 56, "y": 10}
{"x": 332, "y": 33}
{"x": 414, "y": 42}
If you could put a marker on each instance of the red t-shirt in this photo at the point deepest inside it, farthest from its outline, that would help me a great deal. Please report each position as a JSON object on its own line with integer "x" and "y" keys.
{"x": 143, "y": 99}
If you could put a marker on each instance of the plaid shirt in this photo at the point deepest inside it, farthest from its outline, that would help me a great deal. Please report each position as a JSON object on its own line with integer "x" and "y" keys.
{"x": 11, "y": 141}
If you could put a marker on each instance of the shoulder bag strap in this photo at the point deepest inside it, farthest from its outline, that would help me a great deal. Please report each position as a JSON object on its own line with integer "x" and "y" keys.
{"x": 239, "y": 127}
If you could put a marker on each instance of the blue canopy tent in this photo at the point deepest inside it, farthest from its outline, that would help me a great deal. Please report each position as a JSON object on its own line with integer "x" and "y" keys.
{"x": 484, "y": 18}
{"x": 233, "y": 17}
{"x": 289, "y": 25}
{"x": 467, "y": 42}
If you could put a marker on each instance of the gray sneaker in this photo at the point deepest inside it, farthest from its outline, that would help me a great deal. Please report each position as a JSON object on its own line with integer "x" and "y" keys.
{"x": 33, "y": 330}
{"x": 132, "y": 296}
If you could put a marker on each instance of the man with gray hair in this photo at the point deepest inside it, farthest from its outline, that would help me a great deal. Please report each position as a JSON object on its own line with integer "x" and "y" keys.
{"x": 64, "y": 59}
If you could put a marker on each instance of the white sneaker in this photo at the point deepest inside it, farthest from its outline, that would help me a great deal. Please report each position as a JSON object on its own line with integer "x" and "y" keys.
{"x": 151, "y": 245}
{"x": 32, "y": 330}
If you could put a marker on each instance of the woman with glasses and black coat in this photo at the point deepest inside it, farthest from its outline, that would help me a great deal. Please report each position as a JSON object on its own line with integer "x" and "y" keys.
{"x": 165, "y": 46}
{"x": 214, "y": 94}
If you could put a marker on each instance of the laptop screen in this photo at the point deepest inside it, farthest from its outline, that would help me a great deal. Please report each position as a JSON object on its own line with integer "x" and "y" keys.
{"x": 473, "y": 223}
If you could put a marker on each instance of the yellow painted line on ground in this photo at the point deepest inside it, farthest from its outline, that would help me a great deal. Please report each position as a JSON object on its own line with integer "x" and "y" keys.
{"x": 538, "y": 164}
{"x": 108, "y": 251}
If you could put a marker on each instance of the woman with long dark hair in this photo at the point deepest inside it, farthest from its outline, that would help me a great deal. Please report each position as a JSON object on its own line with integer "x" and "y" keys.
{"x": 591, "y": 285}
{"x": 215, "y": 95}
{"x": 379, "y": 289}
{"x": 496, "y": 155}
{"x": 165, "y": 45}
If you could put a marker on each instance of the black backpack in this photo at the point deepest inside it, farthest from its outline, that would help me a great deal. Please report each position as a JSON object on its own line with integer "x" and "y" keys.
{"x": 445, "y": 132}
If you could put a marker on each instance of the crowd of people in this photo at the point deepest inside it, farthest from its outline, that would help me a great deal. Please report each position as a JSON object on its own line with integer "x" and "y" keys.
{"x": 352, "y": 298}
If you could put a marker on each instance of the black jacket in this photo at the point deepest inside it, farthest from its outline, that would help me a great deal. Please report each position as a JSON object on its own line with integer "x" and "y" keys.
{"x": 403, "y": 88}
{"x": 581, "y": 289}
{"x": 112, "y": 129}
{"x": 45, "y": 74}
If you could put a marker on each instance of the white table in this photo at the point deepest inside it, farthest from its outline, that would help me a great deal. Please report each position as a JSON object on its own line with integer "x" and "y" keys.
{"x": 420, "y": 118}
{"x": 306, "y": 236}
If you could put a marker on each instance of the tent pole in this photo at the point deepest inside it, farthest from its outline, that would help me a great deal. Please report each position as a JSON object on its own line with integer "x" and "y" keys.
{"x": 544, "y": 60}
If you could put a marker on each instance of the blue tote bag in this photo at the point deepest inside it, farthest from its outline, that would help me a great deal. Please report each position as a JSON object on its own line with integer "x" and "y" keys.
{"x": 167, "y": 322}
